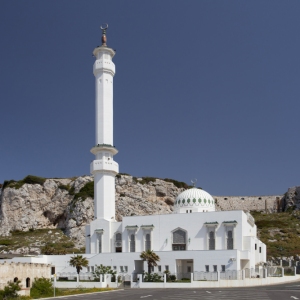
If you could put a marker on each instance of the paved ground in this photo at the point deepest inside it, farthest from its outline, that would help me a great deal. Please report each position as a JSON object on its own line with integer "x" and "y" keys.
{"x": 278, "y": 292}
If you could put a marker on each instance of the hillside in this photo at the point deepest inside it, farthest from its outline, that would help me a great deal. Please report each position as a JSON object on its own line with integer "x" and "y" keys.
{"x": 31, "y": 207}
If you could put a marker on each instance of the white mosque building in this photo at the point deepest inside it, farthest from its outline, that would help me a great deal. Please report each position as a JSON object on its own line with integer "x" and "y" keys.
{"x": 194, "y": 238}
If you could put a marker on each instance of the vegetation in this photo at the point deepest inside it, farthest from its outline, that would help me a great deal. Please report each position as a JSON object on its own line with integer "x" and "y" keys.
{"x": 152, "y": 277}
{"x": 86, "y": 191}
{"x": 78, "y": 262}
{"x": 41, "y": 287}
{"x": 179, "y": 184}
{"x": 280, "y": 232}
{"x": 100, "y": 270}
{"x": 64, "y": 187}
{"x": 51, "y": 241}
{"x": 30, "y": 179}
{"x": 151, "y": 257}
{"x": 10, "y": 291}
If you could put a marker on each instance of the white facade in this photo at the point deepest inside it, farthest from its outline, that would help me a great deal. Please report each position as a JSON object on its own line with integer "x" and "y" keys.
{"x": 194, "y": 238}
{"x": 104, "y": 168}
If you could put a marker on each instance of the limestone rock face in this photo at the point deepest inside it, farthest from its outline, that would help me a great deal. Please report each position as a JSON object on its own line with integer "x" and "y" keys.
{"x": 292, "y": 198}
{"x": 52, "y": 206}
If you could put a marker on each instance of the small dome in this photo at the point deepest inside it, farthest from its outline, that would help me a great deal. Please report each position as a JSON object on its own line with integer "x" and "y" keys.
{"x": 194, "y": 200}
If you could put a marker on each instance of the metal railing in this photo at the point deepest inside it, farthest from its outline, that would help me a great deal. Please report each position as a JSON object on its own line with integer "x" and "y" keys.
{"x": 205, "y": 276}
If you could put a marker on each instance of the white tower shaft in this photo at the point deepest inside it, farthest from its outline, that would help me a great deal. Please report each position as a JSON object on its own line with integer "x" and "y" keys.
{"x": 104, "y": 167}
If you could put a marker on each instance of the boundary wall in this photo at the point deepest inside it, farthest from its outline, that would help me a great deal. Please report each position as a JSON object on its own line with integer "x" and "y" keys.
{"x": 269, "y": 204}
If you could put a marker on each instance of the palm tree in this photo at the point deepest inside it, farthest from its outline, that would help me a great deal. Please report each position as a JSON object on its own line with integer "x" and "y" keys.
{"x": 151, "y": 257}
{"x": 78, "y": 262}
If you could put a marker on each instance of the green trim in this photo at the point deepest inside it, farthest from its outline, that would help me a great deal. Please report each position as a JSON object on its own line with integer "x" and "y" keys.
{"x": 132, "y": 227}
{"x": 147, "y": 226}
{"x": 105, "y": 145}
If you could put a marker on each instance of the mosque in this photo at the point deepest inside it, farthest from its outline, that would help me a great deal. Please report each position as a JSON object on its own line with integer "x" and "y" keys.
{"x": 194, "y": 238}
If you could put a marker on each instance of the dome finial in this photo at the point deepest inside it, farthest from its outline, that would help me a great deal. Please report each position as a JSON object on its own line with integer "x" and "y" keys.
{"x": 103, "y": 27}
{"x": 194, "y": 182}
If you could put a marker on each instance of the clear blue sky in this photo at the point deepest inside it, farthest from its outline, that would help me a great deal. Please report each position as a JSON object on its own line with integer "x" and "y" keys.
{"x": 203, "y": 89}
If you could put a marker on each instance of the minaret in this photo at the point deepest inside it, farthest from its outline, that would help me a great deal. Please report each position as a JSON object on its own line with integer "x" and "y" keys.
{"x": 104, "y": 168}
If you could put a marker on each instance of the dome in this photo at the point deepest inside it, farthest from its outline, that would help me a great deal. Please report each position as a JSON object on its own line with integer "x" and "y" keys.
{"x": 194, "y": 200}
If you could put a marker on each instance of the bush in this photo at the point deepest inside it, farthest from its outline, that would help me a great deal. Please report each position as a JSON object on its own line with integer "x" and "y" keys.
{"x": 10, "y": 291}
{"x": 154, "y": 277}
{"x": 41, "y": 287}
{"x": 64, "y": 187}
{"x": 86, "y": 191}
{"x": 172, "y": 277}
{"x": 6, "y": 242}
{"x": 30, "y": 179}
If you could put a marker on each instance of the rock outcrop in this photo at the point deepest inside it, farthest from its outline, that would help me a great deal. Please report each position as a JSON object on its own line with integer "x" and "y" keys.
{"x": 53, "y": 204}
{"x": 292, "y": 198}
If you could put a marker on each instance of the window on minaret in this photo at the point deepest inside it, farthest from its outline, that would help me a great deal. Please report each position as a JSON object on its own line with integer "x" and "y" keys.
{"x": 148, "y": 242}
{"x": 229, "y": 240}
{"x": 179, "y": 240}
{"x": 118, "y": 242}
{"x": 211, "y": 240}
{"x": 132, "y": 242}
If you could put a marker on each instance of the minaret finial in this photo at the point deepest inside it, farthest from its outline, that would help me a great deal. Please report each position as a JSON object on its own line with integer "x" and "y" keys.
{"x": 103, "y": 28}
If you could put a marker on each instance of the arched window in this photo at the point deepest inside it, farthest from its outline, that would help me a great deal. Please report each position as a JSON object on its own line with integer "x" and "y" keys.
{"x": 16, "y": 279}
{"x": 229, "y": 240}
{"x": 148, "y": 242}
{"x": 118, "y": 242}
{"x": 132, "y": 242}
{"x": 212, "y": 241}
{"x": 179, "y": 240}
{"x": 28, "y": 282}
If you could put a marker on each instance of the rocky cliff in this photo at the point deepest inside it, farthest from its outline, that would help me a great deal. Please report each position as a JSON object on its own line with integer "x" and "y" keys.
{"x": 62, "y": 203}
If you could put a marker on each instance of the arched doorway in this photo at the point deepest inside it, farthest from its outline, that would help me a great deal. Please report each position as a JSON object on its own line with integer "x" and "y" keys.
{"x": 16, "y": 279}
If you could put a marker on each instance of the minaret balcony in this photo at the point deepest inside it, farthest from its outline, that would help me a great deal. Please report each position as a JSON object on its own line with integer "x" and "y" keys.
{"x": 104, "y": 65}
{"x": 104, "y": 147}
{"x": 104, "y": 165}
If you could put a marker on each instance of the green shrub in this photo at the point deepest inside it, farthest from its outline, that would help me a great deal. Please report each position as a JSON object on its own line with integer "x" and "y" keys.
{"x": 41, "y": 287}
{"x": 146, "y": 180}
{"x": 6, "y": 242}
{"x": 10, "y": 290}
{"x": 154, "y": 277}
{"x": 179, "y": 184}
{"x": 86, "y": 191}
{"x": 72, "y": 191}
{"x": 29, "y": 179}
{"x": 64, "y": 187}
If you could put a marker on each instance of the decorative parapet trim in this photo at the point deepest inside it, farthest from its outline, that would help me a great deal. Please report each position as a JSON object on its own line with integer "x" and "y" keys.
{"x": 147, "y": 226}
{"x": 211, "y": 224}
{"x": 101, "y": 231}
{"x": 105, "y": 145}
{"x": 132, "y": 227}
{"x": 230, "y": 223}
{"x": 194, "y": 202}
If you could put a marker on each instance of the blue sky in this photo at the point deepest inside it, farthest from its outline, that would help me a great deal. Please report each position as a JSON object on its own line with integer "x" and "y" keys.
{"x": 203, "y": 89}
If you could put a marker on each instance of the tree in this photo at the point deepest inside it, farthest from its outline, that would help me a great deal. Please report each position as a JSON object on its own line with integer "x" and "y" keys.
{"x": 78, "y": 262}
{"x": 151, "y": 257}
{"x": 100, "y": 270}
{"x": 10, "y": 290}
